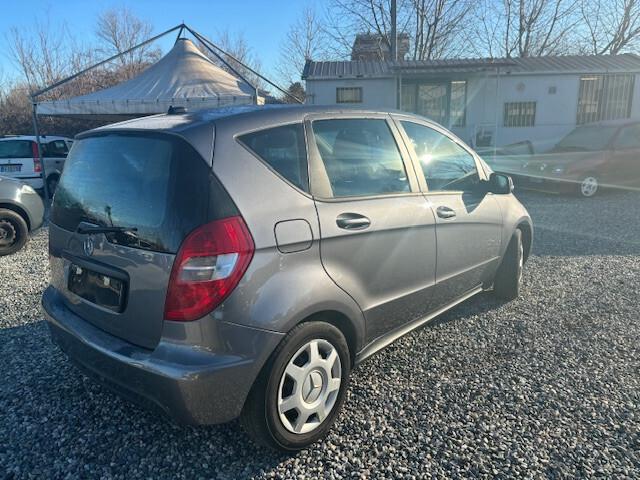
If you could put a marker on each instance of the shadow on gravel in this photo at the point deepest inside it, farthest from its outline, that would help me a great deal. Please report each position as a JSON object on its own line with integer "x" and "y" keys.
{"x": 55, "y": 422}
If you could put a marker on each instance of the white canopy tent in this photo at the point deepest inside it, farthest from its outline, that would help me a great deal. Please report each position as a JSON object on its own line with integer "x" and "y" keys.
{"x": 184, "y": 77}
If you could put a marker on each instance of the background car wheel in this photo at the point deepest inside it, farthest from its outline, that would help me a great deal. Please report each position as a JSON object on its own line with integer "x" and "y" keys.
{"x": 508, "y": 279}
{"x": 14, "y": 232}
{"x": 300, "y": 391}
{"x": 52, "y": 184}
{"x": 589, "y": 186}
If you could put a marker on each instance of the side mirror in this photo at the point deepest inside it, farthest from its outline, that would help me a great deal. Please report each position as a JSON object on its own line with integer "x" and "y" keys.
{"x": 500, "y": 184}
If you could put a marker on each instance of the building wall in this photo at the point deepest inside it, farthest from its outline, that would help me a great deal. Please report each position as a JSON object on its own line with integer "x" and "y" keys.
{"x": 555, "y": 112}
{"x": 376, "y": 93}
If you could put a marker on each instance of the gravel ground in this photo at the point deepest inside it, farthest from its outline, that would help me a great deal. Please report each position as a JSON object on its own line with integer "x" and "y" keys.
{"x": 545, "y": 386}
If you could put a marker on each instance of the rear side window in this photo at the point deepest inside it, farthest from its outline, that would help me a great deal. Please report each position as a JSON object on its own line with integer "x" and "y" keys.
{"x": 283, "y": 149}
{"x": 57, "y": 148}
{"x": 156, "y": 183}
{"x": 16, "y": 149}
{"x": 361, "y": 157}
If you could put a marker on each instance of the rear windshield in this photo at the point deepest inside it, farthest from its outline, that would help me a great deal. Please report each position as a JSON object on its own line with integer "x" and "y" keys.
{"x": 16, "y": 149}
{"x": 155, "y": 183}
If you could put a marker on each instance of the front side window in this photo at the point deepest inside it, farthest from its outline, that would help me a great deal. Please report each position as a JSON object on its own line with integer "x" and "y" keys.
{"x": 283, "y": 149}
{"x": 360, "y": 157}
{"x": 445, "y": 164}
{"x": 349, "y": 95}
{"x": 519, "y": 114}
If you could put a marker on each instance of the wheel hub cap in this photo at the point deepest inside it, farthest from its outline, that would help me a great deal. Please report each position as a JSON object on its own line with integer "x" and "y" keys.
{"x": 309, "y": 386}
{"x": 312, "y": 387}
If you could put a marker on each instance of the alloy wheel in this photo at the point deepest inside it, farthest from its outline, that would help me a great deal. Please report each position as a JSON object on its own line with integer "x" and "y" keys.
{"x": 589, "y": 186}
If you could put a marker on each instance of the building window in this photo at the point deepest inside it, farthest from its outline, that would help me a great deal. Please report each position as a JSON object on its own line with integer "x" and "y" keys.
{"x": 349, "y": 95}
{"x": 457, "y": 103}
{"x": 444, "y": 103}
{"x": 519, "y": 114}
{"x": 604, "y": 97}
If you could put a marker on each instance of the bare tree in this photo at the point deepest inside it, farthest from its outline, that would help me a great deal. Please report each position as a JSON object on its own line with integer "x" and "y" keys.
{"x": 611, "y": 26}
{"x": 305, "y": 40}
{"x": 119, "y": 30}
{"x": 237, "y": 48}
{"x": 437, "y": 28}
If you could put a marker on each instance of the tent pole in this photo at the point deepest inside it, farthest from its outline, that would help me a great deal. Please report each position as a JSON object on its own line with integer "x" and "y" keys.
{"x": 206, "y": 40}
{"x": 37, "y": 135}
{"x": 114, "y": 57}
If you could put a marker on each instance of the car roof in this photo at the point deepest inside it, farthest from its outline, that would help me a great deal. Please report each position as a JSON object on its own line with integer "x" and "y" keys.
{"x": 277, "y": 113}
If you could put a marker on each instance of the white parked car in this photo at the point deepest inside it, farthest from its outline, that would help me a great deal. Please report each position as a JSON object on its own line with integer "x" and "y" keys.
{"x": 19, "y": 159}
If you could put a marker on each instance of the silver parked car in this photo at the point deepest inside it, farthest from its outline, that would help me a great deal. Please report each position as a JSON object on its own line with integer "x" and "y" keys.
{"x": 21, "y": 211}
{"x": 241, "y": 262}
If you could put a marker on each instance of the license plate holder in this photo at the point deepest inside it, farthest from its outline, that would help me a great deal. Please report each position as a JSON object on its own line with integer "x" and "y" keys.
{"x": 102, "y": 290}
{"x": 13, "y": 168}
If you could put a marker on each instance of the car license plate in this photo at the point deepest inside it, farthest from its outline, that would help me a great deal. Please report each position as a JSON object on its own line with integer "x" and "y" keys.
{"x": 10, "y": 168}
{"x": 103, "y": 290}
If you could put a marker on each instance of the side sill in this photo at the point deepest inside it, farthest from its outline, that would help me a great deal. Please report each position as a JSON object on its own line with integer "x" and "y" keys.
{"x": 387, "y": 339}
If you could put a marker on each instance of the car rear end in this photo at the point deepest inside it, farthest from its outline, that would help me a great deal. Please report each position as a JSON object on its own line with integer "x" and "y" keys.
{"x": 145, "y": 243}
{"x": 20, "y": 159}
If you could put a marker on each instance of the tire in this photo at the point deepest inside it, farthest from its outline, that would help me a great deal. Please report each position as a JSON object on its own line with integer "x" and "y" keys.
{"x": 52, "y": 184}
{"x": 14, "y": 232}
{"x": 508, "y": 278}
{"x": 315, "y": 389}
{"x": 589, "y": 186}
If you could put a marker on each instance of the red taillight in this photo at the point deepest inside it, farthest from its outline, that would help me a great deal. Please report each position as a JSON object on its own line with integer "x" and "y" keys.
{"x": 209, "y": 265}
{"x": 37, "y": 164}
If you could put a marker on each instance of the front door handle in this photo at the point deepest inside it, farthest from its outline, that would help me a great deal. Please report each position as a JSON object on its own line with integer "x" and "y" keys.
{"x": 352, "y": 221}
{"x": 446, "y": 212}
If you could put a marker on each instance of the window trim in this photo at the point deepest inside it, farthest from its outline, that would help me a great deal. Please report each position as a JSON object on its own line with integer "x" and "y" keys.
{"x": 239, "y": 141}
{"x": 520, "y": 116}
{"x": 358, "y": 89}
{"x": 320, "y": 186}
{"x": 422, "y": 180}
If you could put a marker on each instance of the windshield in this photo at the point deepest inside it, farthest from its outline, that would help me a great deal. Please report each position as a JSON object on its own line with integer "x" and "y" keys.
{"x": 591, "y": 138}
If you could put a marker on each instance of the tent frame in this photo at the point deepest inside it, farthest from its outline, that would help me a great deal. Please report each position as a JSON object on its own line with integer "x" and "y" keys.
{"x": 214, "y": 49}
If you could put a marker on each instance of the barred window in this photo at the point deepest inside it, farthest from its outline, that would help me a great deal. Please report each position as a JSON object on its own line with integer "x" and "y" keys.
{"x": 349, "y": 95}
{"x": 604, "y": 97}
{"x": 519, "y": 114}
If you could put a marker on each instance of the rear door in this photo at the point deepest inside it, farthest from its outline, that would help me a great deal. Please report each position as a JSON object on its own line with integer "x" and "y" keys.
{"x": 54, "y": 154}
{"x": 377, "y": 233}
{"x": 468, "y": 220}
{"x": 156, "y": 184}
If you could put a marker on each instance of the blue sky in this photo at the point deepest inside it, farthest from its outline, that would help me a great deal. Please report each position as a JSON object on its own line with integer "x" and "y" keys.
{"x": 264, "y": 23}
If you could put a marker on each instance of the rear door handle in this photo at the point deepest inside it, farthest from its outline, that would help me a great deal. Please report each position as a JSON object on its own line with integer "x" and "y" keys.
{"x": 445, "y": 212}
{"x": 352, "y": 221}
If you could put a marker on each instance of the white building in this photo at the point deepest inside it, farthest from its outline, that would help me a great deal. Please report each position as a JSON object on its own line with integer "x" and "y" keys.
{"x": 489, "y": 103}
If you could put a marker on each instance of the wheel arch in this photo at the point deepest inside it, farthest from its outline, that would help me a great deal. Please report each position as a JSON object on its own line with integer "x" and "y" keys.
{"x": 527, "y": 237}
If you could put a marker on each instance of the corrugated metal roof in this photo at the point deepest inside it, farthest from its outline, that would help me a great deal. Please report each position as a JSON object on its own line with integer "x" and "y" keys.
{"x": 626, "y": 62}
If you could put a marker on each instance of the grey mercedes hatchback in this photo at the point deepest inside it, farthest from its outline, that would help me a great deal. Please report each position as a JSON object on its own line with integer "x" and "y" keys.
{"x": 240, "y": 262}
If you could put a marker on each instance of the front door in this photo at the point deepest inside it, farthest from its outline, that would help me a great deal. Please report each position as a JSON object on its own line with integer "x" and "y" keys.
{"x": 378, "y": 240}
{"x": 468, "y": 220}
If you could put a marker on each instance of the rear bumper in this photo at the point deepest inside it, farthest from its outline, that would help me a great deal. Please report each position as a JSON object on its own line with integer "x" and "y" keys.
{"x": 191, "y": 384}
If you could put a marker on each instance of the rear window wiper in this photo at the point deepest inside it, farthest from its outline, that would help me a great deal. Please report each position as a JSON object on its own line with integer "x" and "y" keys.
{"x": 98, "y": 229}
